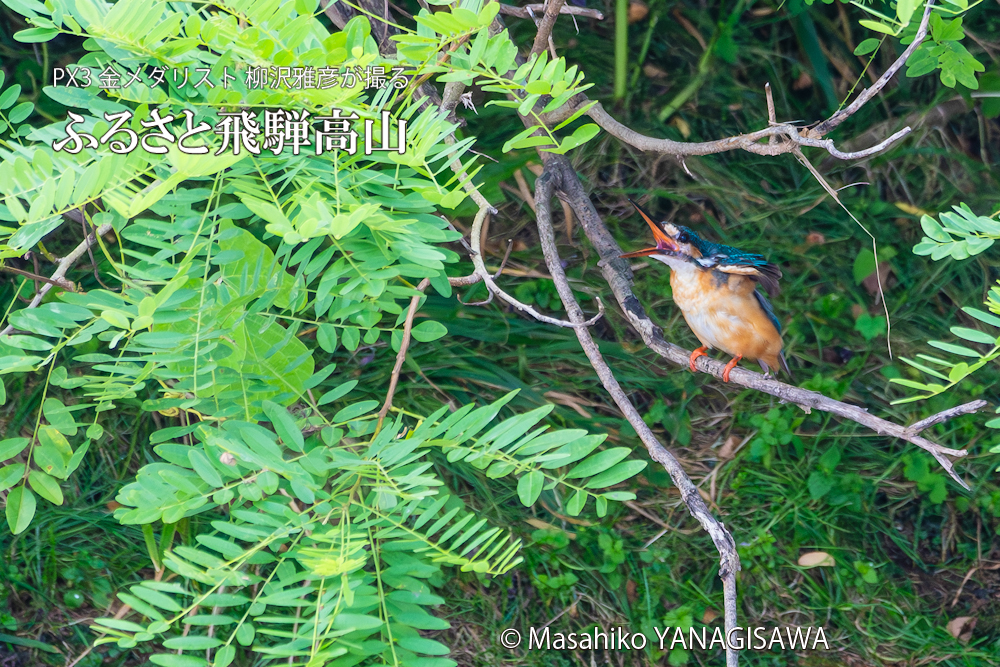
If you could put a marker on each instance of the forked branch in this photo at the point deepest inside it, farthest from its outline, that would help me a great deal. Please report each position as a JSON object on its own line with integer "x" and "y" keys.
{"x": 729, "y": 561}
{"x": 619, "y": 276}
{"x": 58, "y": 278}
{"x": 794, "y": 137}
{"x": 484, "y": 275}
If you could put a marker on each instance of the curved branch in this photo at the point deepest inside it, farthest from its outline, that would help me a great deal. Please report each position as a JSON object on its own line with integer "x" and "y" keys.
{"x": 528, "y": 11}
{"x": 543, "y": 37}
{"x": 729, "y": 560}
{"x": 793, "y": 138}
{"x": 619, "y": 276}
{"x": 477, "y": 261}
{"x": 843, "y": 114}
{"x": 59, "y": 277}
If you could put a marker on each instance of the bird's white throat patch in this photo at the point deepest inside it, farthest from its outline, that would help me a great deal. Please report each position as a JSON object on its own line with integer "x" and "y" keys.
{"x": 680, "y": 265}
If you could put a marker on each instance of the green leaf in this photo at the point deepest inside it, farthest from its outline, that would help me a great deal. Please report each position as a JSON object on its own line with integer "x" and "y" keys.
{"x": 245, "y": 634}
{"x": 974, "y": 335}
{"x": 12, "y": 447}
{"x": 580, "y": 136}
{"x": 864, "y": 263}
{"x": 116, "y": 318}
{"x": 337, "y": 392}
{"x": 577, "y": 503}
{"x": 867, "y": 46}
{"x": 355, "y": 411}
{"x": 955, "y": 349}
{"x": 819, "y": 485}
{"x": 427, "y": 331}
{"x": 507, "y": 147}
{"x": 346, "y": 621}
{"x": 982, "y": 316}
{"x": 529, "y": 487}
{"x": 18, "y": 114}
{"x": 877, "y": 27}
{"x": 28, "y": 643}
{"x": 174, "y": 660}
{"x": 598, "y": 462}
{"x": 204, "y": 468}
{"x": 9, "y": 96}
{"x": 351, "y": 337}
{"x": 905, "y": 9}
{"x": 423, "y": 645}
{"x": 326, "y": 336}
{"x": 20, "y": 509}
{"x": 616, "y": 474}
{"x": 46, "y": 487}
{"x": 33, "y": 35}
{"x": 284, "y": 425}
{"x": 53, "y": 453}
{"x": 871, "y": 327}
{"x": 10, "y": 475}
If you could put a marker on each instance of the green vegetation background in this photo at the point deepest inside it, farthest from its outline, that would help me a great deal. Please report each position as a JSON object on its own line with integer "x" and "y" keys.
{"x": 906, "y": 542}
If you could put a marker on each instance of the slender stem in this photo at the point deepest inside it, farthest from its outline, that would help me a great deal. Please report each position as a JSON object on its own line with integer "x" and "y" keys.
{"x": 704, "y": 68}
{"x": 621, "y": 48}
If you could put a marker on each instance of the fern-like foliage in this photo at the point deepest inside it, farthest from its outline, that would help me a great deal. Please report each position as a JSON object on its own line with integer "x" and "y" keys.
{"x": 312, "y": 536}
{"x": 960, "y": 235}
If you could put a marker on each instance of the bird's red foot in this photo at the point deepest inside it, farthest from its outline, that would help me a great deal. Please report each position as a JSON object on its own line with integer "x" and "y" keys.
{"x": 730, "y": 366}
{"x": 700, "y": 352}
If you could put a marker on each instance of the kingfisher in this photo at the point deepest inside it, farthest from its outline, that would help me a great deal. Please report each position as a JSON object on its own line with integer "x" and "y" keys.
{"x": 716, "y": 288}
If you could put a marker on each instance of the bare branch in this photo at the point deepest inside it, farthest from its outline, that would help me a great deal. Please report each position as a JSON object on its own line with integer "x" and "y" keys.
{"x": 401, "y": 355}
{"x": 545, "y": 26}
{"x": 619, "y": 276}
{"x": 58, "y": 278}
{"x": 477, "y": 261}
{"x": 527, "y": 11}
{"x": 729, "y": 561}
{"x": 795, "y": 136}
{"x": 65, "y": 284}
{"x": 840, "y": 116}
{"x": 747, "y": 142}
{"x": 945, "y": 415}
{"x": 772, "y": 118}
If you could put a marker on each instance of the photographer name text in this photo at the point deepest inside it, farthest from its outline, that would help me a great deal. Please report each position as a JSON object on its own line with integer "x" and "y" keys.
{"x": 749, "y": 638}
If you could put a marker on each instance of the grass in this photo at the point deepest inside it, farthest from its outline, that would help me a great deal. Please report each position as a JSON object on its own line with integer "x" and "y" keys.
{"x": 784, "y": 482}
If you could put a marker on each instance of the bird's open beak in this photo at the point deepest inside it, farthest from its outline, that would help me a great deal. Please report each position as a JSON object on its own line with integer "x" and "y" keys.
{"x": 663, "y": 242}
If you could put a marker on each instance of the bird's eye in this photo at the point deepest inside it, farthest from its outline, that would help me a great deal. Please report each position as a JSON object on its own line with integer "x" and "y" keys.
{"x": 683, "y": 237}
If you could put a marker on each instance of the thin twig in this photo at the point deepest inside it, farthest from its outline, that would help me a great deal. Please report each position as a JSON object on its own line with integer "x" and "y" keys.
{"x": 843, "y": 114}
{"x": 65, "y": 284}
{"x": 477, "y": 261}
{"x": 747, "y": 142}
{"x": 729, "y": 561}
{"x": 945, "y": 415}
{"x": 497, "y": 274}
{"x": 772, "y": 118}
{"x": 619, "y": 276}
{"x": 401, "y": 355}
{"x": 545, "y": 25}
{"x": 64, "y": 264}
{"x": 800, "y": 156}
{"x": 527, "y": 11}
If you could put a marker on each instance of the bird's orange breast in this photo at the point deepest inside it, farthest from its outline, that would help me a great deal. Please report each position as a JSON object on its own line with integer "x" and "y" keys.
{"x": 724, "y": 314}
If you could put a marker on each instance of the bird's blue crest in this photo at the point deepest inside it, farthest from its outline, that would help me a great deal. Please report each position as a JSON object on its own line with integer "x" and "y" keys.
{"x": 727, "y": 254}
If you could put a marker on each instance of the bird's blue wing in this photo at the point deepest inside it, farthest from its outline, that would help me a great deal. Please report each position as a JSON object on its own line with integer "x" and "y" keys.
{"x": 762, "y": 300}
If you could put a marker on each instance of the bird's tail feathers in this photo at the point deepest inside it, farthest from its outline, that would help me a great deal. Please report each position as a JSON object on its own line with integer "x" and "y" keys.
{"x": 784, "y": 364}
